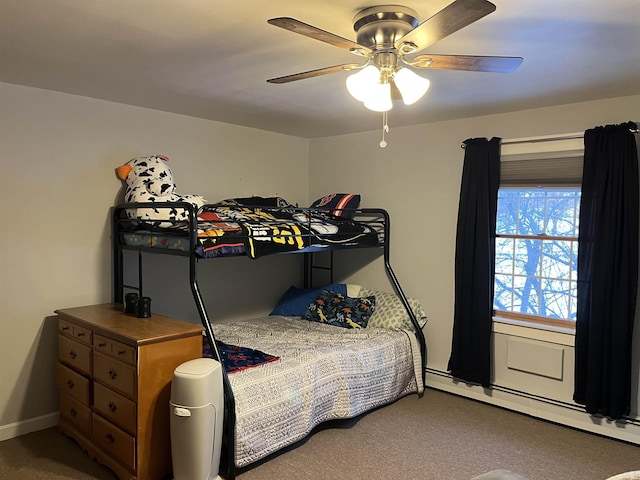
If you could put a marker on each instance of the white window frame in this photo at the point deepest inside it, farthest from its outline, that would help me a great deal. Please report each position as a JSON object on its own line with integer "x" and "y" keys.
{"x": 533, "y": 148}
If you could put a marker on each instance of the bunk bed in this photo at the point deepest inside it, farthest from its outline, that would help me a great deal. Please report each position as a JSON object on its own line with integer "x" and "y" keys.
{"x": 238, "y": 227}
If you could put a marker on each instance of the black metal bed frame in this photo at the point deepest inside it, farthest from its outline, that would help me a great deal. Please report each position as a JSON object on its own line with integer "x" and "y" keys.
{"x": 376, "y": 218}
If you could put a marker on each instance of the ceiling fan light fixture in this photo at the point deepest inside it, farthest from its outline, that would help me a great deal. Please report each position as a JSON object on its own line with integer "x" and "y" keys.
{"x": 385, "y": 34}
{"x": 411, "y": 85}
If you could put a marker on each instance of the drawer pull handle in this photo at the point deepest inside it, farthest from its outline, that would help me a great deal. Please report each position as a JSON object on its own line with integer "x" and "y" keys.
{"x": 102, "y": 344}
{"x": 113, "y": 374}
{"x": 73, "y": 354}
{"x": 80, "y": 334}
{"x": 112, "y": 407}
{"x": 121, "y": 352}
{"x": 73, "y": 412}
{"x": 70, "y": 384}
{"x": 65, "y": 328}
{"x": 109, "y": 438}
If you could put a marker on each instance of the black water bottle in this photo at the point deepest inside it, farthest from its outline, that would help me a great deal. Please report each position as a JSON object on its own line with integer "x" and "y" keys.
{"x": 131, "y": 303}
{"x": 144, "y": 307}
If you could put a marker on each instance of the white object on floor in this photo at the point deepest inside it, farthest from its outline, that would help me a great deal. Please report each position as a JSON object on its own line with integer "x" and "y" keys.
{"x": 197, "y": 411}
{"x": 635, "y": 475}
{"x": 499, "y": 475}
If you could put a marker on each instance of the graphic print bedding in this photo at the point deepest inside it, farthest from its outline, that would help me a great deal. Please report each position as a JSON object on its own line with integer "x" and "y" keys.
{"x": 230, "y": 228}
{"x": 280, "y": 230}
{"x": 323, "y": 373}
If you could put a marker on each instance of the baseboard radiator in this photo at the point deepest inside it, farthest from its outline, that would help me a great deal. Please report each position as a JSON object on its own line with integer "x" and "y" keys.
{"x": 563, "y": 413}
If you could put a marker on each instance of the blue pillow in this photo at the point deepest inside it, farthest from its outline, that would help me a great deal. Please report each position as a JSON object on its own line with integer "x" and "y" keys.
{"x": 295, "y": 301}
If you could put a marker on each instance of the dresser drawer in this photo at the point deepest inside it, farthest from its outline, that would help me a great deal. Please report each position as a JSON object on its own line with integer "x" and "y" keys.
{"x": 115, "y": 407}
{"x": 76, "y": 413}
{"x": 82, "y": 334}
{"x": 74, "y": 354}
{"x": 115, "y": 374}
{"x": 115, "y": 442}
{"x": 72, "y": 383}
{"x": 121, "y": 351}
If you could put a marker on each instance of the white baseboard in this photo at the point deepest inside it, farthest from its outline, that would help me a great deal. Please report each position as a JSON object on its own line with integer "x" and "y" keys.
{"x": 539, "y": 407}
{"x": 23, "y": 427}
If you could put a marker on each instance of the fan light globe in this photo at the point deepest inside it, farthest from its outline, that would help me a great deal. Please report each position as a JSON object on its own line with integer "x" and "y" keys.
{"x": 379, "y": 99}
{"x": 365, "y": 87}
{"x": 412, "y": 86}
{"x": 361, "y": 83}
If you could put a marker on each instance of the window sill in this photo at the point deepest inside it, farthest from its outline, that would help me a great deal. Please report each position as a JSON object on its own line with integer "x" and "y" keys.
{"x": 534, "y": 331}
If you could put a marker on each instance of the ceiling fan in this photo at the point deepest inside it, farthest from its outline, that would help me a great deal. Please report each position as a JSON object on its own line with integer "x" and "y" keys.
{"x": 386, "y": 35}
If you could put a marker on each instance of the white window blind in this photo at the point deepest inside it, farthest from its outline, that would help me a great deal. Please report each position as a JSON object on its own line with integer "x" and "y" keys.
{"x": 534, "y": 172}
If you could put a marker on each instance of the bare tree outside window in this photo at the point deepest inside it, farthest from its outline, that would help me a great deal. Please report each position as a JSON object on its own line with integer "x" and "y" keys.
{"x": 536, "y": 253}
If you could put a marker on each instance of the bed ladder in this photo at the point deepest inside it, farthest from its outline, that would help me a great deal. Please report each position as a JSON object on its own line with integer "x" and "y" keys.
{"x": 310, "y": 266}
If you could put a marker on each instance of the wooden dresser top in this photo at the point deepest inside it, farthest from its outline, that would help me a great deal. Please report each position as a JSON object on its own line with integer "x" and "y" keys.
{"x": 109, "y": 319}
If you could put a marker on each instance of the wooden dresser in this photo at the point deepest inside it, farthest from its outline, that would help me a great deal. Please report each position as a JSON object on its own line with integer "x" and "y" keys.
{"x": 114, "y": 375}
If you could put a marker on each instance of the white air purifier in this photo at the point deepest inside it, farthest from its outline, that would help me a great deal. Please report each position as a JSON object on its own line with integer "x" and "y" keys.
{"x": 197, "y": 411}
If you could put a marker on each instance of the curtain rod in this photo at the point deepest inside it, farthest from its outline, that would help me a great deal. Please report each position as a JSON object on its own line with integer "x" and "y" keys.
{"x": 548, "y": 138}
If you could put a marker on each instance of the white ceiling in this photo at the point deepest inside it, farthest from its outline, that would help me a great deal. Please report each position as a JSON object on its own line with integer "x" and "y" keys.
{"x": 211, "y": 59}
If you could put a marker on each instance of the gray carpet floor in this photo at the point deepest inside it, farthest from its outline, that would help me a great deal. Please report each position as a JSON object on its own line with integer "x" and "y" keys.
{"x": 435, "y": 437}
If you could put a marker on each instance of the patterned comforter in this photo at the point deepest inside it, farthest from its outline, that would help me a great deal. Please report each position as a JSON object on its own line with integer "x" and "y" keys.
{"x": 267, "y": 231}
{"x": 324, "y": 373}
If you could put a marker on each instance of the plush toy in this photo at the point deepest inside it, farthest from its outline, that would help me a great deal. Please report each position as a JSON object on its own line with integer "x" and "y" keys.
{"x": 149, "y": 179}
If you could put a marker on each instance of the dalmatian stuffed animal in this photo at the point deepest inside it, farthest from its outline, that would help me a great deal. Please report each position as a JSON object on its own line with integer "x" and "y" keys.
{"x": 149, "y": 179}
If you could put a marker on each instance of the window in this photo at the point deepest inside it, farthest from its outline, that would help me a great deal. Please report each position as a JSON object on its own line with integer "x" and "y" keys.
{"x": 537, "y": 240}
{"x": 536, "y": 252}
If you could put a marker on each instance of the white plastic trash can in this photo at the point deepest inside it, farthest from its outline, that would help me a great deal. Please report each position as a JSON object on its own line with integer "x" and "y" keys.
{"x": 197, "y": 411}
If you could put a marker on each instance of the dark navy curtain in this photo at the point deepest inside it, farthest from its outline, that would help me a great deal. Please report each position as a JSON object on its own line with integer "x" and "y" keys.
{"x": 607, "y": 270}
{"x": 474, "y": 262}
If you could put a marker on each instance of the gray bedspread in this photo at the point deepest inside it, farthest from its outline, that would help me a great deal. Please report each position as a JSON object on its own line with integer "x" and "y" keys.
{"x": 324, "y": 373}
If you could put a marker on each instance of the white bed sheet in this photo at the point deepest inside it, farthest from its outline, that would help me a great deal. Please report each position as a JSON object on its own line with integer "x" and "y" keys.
{"x": 324, "y": 373}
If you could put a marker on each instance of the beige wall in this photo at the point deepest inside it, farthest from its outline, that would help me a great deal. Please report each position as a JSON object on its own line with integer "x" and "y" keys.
{"x": 417, "y": 178}
{"x": 58, "y": 153}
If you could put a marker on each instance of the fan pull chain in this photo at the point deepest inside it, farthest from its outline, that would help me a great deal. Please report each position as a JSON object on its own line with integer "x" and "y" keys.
{"x": 385, "y": 129}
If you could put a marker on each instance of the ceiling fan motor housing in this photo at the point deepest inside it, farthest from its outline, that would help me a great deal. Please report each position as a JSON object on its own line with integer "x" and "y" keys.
{"x": 379, "y": 28}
